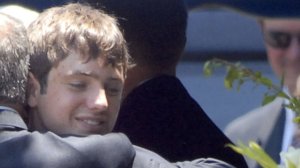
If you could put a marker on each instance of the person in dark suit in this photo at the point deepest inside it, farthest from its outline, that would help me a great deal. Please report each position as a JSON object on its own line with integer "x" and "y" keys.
{"x": 272, "y": 125}
{"x": 157, "y": 112}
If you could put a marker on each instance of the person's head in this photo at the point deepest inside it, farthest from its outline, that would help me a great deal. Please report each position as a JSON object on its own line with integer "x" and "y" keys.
{"x": 282, "y": 40}
{"x": 78, "y": 63}
{"x": 14, "y": 62}
{"x": 155, "y": 31}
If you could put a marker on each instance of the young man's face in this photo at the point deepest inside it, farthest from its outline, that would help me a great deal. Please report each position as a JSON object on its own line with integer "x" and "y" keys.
{"x": 282, "y": 38}
{"x": 81, "y": 98}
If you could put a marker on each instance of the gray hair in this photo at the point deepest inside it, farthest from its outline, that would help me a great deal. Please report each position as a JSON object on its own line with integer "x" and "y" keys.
{"x": 14, "y": 59}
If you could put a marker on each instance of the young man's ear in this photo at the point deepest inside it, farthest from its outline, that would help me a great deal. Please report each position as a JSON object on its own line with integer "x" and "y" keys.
{"x": 34, "y": 89}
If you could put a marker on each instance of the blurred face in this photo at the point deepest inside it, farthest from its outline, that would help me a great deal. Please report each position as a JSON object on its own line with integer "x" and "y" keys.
{"x": 81, "y": 98}
{"x": 282, "y": 39}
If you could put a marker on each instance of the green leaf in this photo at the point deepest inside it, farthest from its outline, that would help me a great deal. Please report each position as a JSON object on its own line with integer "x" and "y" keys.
{"x": 268, "y": 98}
{"x": 297, "y": 119}
{"x": 228, "y": 81}
{"x": 257, "y": 74}
{"x": 228, "y": 84}
{"x": 231, "y": 76}
{"x": 283, "y": 95}
{"x": 255, "y": 152}
{"x": 264, "y": 159}
{"x": 267, "y": 82}
{"x": 207, "y": 68}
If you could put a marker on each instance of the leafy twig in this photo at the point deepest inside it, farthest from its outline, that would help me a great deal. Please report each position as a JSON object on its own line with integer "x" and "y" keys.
{"x": 237, "y": 75}
{"x": 255, "y": 152}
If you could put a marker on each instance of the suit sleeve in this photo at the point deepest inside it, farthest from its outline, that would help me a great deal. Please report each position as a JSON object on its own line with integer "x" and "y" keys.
{"x": 147, "y": 159}
{"x": 36, "y": 150}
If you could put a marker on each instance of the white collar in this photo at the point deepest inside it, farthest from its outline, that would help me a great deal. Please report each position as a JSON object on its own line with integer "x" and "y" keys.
{"x": 289, "y": 125}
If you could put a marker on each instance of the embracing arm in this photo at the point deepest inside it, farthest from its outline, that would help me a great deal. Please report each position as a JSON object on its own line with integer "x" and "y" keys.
{"x": 26, "y": 149}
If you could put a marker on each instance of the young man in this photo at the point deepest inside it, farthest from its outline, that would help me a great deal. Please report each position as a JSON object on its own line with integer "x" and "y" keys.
{"x": 21, "y": 148}
{"x": 78, "y": 89}
{"x": 271, "y": 125}
{"x": 157, "y": 111}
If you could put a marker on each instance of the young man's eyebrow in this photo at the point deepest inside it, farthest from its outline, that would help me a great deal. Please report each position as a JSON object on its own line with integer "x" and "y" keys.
{"x": 117, "y": 79}
{"x": 92, "y": 74}
{"x": 82, "y": 73}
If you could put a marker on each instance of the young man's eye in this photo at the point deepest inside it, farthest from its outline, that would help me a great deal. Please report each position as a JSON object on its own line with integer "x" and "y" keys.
{"x": 113, "y": 91}
{"x": 78, "y": 85}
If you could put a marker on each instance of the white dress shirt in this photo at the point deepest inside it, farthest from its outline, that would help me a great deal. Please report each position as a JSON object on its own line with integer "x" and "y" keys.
{"x": 289, "y": 127}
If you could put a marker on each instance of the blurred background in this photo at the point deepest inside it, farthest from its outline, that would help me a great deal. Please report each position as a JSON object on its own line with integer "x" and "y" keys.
{"x": 215, "y": 31}
{"x": 230, "y": 35}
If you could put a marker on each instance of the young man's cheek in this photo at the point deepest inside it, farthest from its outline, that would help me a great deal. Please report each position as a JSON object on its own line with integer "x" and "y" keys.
{"x": 115, "y": 102}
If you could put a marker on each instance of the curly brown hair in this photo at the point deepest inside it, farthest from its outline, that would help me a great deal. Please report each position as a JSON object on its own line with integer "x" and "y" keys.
{"x": 79, "y": 27}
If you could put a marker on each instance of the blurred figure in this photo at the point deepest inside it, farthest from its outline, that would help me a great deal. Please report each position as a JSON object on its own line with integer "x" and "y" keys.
{"x": 157, "y": 112}
{"x": 271, "y": 125}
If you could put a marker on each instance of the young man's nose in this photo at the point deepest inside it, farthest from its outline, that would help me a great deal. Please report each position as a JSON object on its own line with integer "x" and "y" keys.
{"x": 98, "y": 101}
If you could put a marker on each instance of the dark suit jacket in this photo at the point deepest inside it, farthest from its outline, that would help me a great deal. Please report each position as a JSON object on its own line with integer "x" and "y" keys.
{"x": 264, "y": 125}
{"x": 160, "y": 115}
{"x": 22, "y": 149}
